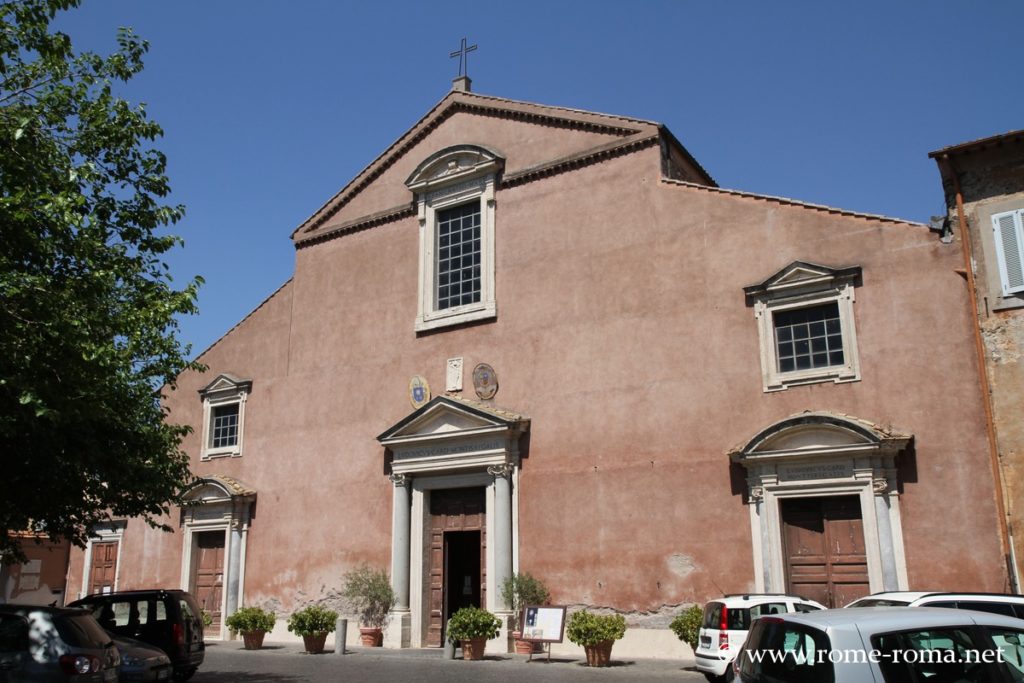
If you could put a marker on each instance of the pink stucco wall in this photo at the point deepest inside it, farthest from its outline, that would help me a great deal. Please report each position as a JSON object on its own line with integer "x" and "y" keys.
{"x": 623, "y": 333}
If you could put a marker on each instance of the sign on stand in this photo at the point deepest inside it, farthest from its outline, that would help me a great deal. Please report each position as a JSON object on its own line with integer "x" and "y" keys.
{"x": 543, "y": 624}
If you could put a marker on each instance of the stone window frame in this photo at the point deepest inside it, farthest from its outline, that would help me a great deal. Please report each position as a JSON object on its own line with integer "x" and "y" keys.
{"x": 802, "y": 285}
{"x": 225, "y": 390}
{"x": 449, "y": 178}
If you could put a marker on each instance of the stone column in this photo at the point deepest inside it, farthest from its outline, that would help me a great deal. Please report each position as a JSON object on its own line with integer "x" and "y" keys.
{"x": 397, "y": 633}
{"x": 502, "y": 541}
{"x": 890, "y": 576}
{"x": 502, "y": 530}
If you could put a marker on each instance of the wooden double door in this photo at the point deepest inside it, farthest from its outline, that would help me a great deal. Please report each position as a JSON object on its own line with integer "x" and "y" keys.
{"x": 458, "y": 541}
{"x": 823, "y": 546}
{"x": 208, "y": 575}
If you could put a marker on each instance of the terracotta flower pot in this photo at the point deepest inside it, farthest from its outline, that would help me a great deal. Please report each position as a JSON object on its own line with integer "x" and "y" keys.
{"x": 526, "y": 647}
{"x": 600, "y": 654}
{"x": 473, "y": 648}
{"x": 253, "y": 639}
{"x": 315, "y": 643}
{"x": 371, "y": 637}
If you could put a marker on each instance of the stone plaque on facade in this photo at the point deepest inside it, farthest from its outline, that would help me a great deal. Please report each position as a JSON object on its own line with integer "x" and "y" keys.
{"x": 454, "y": 375}
{"x": 485, "y": 381}
{"x": 810, "y": 471}
{"x": 419, "y": 391}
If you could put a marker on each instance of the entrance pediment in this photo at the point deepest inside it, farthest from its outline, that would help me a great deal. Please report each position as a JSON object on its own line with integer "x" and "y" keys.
{"x": 819, "y": 434}
{"x": 454, "y": 434}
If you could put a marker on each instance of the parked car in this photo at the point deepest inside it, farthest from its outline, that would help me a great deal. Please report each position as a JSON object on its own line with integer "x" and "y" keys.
{"x": 884, "y": 644}
{"x": 997, "y": 603}
{"x": 43, "y": 644}
{"x": 725, "y": 626}
{"x": 142, "y": 662}
{"x": 169, "y": 619}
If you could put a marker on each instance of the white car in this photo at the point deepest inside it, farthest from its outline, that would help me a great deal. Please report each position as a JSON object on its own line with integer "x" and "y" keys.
{"x": 997, "y": 603}
{"x": 884, "y": 645}
{"x": 725, "y": 625}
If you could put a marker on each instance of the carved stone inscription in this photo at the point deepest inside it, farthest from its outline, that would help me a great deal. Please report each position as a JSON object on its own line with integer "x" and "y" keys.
{"x": 450, "y": 449}
{"x": 805, "y": 472}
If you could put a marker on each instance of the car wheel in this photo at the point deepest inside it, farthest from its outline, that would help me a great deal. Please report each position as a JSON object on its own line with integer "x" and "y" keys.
{"x": 185, "y": 674}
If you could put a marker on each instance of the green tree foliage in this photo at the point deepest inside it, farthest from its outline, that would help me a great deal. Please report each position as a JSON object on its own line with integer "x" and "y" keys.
{"x": 88, "y": 331}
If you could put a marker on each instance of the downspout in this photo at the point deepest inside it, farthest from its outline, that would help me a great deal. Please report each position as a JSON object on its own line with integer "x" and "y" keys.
{"x": 979, "y": 346}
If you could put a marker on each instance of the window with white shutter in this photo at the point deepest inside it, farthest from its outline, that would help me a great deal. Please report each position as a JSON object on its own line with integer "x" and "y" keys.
{"x": 1008, "y": 229}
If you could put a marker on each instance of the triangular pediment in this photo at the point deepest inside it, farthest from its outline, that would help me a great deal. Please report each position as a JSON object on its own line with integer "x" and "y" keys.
{"x": 448, "y": 416}
{"x": 803, "y": 276}
{"x": 532, "y": 137}
{"x": 226, "y": 382}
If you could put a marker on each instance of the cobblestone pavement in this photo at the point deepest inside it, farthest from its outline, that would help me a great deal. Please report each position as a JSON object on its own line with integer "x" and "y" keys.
{"x": 227, "y": 662}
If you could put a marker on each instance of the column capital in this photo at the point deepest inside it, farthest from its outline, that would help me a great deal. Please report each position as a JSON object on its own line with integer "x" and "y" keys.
{"x": 503, "y": 470}
{"x": 399, "y": 480}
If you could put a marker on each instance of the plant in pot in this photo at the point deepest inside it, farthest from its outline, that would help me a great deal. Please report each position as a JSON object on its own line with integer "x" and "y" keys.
{"x": 687, "y": 625}
{"x": 368, "y": 592}
{"x": 313, "y": 623}
{"x": 253, "y": 623}
{"x": 518, "y": 591}
{"x": 473, "y": 627}
{"x": 596, "y": 633}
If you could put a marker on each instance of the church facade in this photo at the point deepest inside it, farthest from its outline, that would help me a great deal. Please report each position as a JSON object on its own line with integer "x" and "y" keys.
{"x": 535, "y": 339}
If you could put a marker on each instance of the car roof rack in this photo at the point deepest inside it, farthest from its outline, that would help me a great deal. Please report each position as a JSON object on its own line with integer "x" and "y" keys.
{"x": 747, "y": 596}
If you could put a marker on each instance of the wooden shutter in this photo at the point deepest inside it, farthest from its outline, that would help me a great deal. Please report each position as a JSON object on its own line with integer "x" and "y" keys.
{"x": 1009, "y": 238}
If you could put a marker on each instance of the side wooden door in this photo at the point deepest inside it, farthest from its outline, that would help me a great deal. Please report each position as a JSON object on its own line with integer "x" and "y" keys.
{"x": 209, "y": 574}
{"x": 823, "y": 540}
{"x": 103, "y": 570}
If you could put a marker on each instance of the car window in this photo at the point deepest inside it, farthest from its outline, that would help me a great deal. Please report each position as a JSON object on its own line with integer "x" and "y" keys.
{"x": 712, "y": 615}
{"x": 879, "y": 602}
{"x": 951, "y": 604}
{"x": 767, "y": 608}
{"x": 161, "y": 611}
{"x": 13, "y": 634}
{"x": 1011, "y": 648}
{"x": 778, "y": 651}
{"x": 81, "y": 630}
{"x": 948, "y": 654}
{"x": 1003, "y": 608}
{"x": 804, "y": 607}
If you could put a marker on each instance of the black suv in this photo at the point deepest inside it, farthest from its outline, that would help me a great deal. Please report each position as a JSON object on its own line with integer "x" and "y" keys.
{"x": 169, "y": 619}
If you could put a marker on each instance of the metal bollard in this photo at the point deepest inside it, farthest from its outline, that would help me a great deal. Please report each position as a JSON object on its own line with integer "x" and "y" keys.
{"x": 340, "y": 635}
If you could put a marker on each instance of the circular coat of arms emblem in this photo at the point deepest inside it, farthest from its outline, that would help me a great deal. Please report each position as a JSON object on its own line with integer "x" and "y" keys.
{"x": 419, "y": 391}
{"x": 485, "y": 381}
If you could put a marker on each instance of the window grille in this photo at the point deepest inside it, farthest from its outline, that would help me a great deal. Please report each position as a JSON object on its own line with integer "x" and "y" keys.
{"x": 458, "y": 256}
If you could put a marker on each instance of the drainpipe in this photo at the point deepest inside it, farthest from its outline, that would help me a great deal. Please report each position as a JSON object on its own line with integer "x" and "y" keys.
{"x": 979, "y": 346}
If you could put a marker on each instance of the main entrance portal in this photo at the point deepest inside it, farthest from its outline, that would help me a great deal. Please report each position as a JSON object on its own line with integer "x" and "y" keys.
{"x": 457, "y": 551}
{"x": 824, "y": 549}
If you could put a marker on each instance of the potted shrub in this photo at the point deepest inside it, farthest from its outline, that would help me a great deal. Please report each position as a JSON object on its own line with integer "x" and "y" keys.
{"x": 473, "y": 627}
{"x": 368, "y": 592}
{"x": 596, "y": 633}
{"x": 313, "y": 623}
{"x": 253, "y": 623}
{"x": 518, "y": 591}
{"x": 687, "y": 626}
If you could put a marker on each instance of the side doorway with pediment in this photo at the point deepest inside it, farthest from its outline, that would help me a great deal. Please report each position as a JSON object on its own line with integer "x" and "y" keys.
{"x": 824, "y": 507}
{"x": 215, "y": 528}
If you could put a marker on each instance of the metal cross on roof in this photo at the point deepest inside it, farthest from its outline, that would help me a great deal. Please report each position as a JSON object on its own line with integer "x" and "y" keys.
{"x": 463, "y": 54}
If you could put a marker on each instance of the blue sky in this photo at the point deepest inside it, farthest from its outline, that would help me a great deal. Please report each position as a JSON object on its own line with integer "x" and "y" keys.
{"x": 270, "y": 107}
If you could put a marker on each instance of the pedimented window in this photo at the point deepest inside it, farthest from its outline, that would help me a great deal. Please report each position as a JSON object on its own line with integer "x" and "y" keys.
{"x": 455, "y": 196}
{"x": 806, "y": 325}
{"x": 224, "y": 416}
